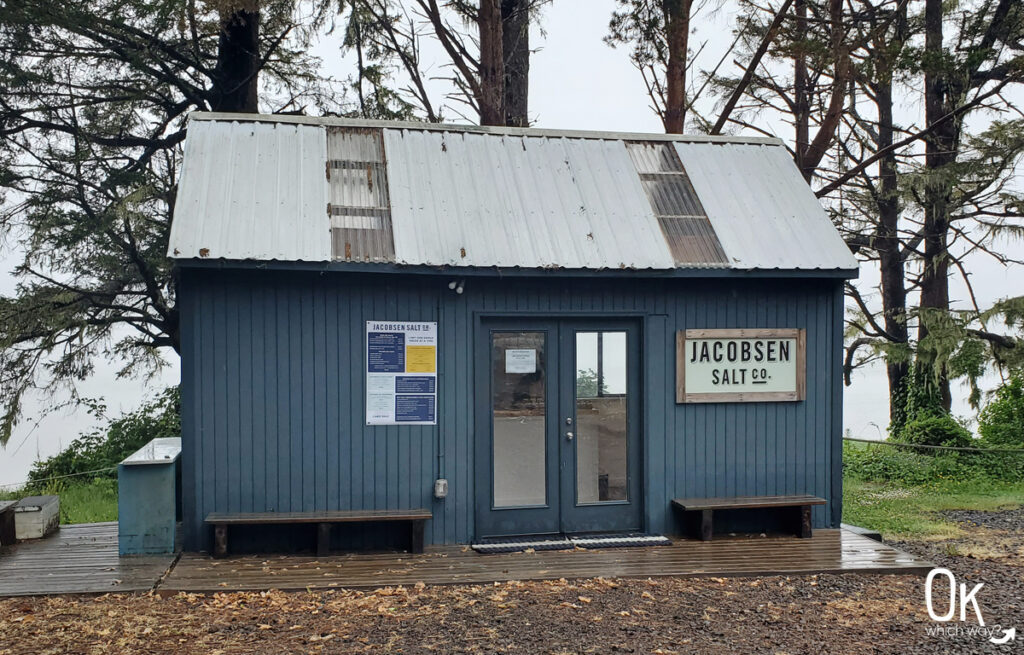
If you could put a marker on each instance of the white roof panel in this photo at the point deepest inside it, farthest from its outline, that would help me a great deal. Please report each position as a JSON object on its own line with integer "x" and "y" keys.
{"x": 462, "y": 199}
{"x": 764, "y": 213}
{"x": 252, "y": 191}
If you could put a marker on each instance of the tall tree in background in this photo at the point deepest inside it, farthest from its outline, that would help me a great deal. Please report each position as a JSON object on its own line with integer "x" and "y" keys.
{"x": 836, "y": 72}
{"x": 658, "y": 31}
{"x": 515, "y": 35}
{"x": 486, "y": 44}
{"x": 795, "y": 63}
{"x": 236, "y": 75}
{"x": 922, "y": 223}
{"x": 950, "y": 78}
{"x": 91, "y": 123}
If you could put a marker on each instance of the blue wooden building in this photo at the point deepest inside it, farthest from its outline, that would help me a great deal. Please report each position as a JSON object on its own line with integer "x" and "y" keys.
{"x": 526, "y": 331}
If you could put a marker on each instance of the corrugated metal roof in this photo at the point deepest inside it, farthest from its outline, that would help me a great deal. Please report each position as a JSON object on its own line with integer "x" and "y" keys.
{"x": 252, "y": 191}
{"x": 762, "y": 210}
{"x": 257, "y": 188}
{"x": 532, "y": 202}
{"x": 676, "y": 205}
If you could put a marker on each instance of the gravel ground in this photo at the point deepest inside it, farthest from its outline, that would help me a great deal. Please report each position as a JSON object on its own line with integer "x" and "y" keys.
{"x": 814, "y": 614}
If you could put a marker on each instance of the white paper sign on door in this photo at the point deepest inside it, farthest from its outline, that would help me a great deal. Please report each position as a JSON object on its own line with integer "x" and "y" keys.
{"x": 521, "y": 361}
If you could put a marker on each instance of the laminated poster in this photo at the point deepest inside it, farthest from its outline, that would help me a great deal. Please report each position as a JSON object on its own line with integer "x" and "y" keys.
{"x": 401, "y": 373}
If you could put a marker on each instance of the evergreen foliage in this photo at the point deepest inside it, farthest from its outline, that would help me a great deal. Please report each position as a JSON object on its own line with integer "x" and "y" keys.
{"x": 107, "y": 447}
{"x": 1002, "y": 420}
{"x": 92, "y": 117}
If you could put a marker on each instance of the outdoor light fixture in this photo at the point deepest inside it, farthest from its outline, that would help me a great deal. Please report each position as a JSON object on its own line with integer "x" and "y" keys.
{"x": 457, "y": 285}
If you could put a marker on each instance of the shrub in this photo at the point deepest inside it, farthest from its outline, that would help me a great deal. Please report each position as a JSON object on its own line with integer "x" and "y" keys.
{"x": 886, "y": 463}
{"x": 935, "y": 430}
{"x": 105, "y": 448}
{"x": 920, "y": 396}
{"x": 1002, "y": 421}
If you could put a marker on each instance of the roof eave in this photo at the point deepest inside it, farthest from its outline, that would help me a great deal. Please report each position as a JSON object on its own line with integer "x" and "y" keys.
{"x": 493, "y": 271}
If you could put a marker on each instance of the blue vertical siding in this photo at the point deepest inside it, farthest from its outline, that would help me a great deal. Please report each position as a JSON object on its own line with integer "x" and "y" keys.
{"x": 273, "y": 396}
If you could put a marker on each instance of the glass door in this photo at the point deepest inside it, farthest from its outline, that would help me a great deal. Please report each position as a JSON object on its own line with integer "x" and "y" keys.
{"x": 600, "y": 483}
{"x": 517, "y": 405}
{"x": 557, "y": 427}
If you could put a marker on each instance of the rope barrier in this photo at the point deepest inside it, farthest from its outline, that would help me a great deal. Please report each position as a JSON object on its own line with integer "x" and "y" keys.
{"x": 921, "y": 445}
{"x": 19, "y": 485}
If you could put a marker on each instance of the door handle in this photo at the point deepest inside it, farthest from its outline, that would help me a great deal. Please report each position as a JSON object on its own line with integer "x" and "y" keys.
{"x": 569, "y": 436}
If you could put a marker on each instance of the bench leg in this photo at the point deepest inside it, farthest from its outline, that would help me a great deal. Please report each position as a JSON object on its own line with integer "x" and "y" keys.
{"x": 220, "y": 540}
{"x": 416, "y": 536}
{"x": 323, "y": 539}
{"x": 805, "y": 521}
{"x": 706, "y": 524}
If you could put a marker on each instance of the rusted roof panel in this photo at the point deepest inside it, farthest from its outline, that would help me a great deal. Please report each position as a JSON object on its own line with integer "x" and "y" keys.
{"x": 360, "y": 204}
{"x": 676, "y": 205}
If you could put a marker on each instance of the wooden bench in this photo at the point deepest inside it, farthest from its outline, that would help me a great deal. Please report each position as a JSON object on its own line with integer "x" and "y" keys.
{"x": 7, "y": 537}
{"x": 707, "y": 507}
{"x": 416, "y": 517}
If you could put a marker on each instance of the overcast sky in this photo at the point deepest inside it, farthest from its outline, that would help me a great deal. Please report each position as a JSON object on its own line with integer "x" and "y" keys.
{"x": 577, "y": 82}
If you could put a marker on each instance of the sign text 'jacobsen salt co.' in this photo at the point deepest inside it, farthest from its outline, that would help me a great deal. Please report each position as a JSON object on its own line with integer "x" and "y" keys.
{"x": 756, "y": 365}
{"x": 401, "y": 373}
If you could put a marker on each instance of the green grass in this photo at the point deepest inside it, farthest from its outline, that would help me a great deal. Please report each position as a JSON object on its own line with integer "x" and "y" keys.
{"x": 80, "y": 502}
{"x": 913, "y": 512}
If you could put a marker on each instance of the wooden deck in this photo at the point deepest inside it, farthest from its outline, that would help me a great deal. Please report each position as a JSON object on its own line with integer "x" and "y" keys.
{"x": 77, "y": 559}
{"x": 82, "y": 559}
{"x": 828, "y": 551}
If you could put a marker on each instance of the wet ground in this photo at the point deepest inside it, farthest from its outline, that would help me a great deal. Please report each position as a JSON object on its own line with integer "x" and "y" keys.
{"x": 814, "y": 614}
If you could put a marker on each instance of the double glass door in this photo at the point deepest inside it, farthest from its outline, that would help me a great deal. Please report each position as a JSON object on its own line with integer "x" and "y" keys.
{"x": 557, "y": 427}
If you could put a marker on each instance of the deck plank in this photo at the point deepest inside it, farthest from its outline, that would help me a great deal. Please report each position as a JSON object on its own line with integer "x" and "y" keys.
{"x": 829, "y": 551}
{"x": 82, "y": 559}
{"x": 77, "y": 559}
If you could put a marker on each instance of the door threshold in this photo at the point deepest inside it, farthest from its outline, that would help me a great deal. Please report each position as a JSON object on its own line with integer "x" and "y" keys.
{"x": 570, "y": 542}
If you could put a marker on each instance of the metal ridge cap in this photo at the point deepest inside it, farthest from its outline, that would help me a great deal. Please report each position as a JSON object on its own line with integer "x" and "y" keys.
{"x": 336, "y": 121}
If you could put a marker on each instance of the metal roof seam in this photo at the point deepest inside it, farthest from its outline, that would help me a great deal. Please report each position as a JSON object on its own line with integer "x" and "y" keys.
{"x": 339, "y": 121}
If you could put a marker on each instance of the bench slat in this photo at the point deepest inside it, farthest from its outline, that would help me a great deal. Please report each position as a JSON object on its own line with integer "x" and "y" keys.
{"x": 745, "y": 502}
{"x": 336, "y": 516}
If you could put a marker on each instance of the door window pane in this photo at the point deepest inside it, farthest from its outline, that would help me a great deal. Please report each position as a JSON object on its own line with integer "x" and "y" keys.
{"x": 518, "y": 386}
{"x": 601, "y": 421}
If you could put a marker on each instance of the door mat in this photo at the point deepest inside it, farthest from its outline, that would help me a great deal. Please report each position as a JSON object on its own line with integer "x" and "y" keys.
{"x": 619, "y": 540}
{"x": 517, "y": 545}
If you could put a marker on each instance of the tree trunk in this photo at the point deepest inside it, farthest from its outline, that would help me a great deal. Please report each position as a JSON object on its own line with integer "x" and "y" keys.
{"x": 887, "y": 244}
{"x": 801, "y": 102}
{"x": 515, "y": 43}
{"x": 238, "y": 59}
{"x": 677, "y": 29}
{"x": 823, "y": 138}
{"x": 492, "y": 64}
{"x": 940, "y": 150}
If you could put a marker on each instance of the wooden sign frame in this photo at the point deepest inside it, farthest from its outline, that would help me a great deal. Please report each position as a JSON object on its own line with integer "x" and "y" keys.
{"x": 799, "y": 334}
